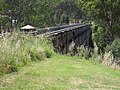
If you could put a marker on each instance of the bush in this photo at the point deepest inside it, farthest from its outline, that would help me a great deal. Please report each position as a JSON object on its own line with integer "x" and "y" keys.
{"x": 114, "y": 48}
{"x": 84, "y": 52}
{"x": 18, "y": 50}
{"x": 116, "y": 31}
{"x": 36, "y": 54}
{"x": 47, "y": 47}
{"x": 48, "y": 53}
{"x": 112, "y": 55}
{"x": 101, "y": 36}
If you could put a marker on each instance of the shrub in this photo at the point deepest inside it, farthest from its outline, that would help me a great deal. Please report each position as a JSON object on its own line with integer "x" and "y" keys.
{"x": 112, "y": 55}
{"x": 18, "y": 50}
{"x": 48, "y": 53}
{"x": 114, "y": 48}
{"x": 116, "y": 31}
{"x": 101, "y": 36}
{"x": 36, "y": 54}
{"x": 84, "y": 52}
{"x": 48, "y": 48}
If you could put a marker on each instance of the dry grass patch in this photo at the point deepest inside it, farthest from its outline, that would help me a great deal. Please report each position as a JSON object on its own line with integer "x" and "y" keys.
{"x": 76, "y": 81}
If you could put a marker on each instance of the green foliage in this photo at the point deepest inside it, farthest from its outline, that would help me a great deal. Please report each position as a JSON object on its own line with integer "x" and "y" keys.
{"x": 18, "y": 50}
{"x": 105, "y": 13}
{"x": 68, "y": 11}
{"x": 114, "y": 48}
{"x": 103, "y": 10}
{"x": 112, "y": 54}
{"x": 100, "y": 36}
{"x": 42, "y": 13}
{"x": 48, "y": 52}
{"x": 84, "y": 53}
{"x": 3, "y": 6}
{"x": 5, "y": 22}
{"x": 116, "y": 31}
{"x": 47, "y": 47}
{"x": 35, "y": 12}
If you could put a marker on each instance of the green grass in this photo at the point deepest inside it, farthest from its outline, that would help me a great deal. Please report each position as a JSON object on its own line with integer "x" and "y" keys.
{"x": 62, "y": 73}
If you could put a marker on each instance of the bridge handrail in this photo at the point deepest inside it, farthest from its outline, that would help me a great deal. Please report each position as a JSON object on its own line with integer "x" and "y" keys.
{"x": 46, "y": 30}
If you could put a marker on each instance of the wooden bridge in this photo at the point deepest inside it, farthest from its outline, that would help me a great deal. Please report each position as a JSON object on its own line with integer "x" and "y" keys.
{"x": 69, "y": 38}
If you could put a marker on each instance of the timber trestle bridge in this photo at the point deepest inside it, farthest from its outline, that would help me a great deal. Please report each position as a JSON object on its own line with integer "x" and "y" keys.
{"x": 68, "y": 38}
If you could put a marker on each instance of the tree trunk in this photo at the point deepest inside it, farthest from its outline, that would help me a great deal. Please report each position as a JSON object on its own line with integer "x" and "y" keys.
{"x": 110, "y": 27}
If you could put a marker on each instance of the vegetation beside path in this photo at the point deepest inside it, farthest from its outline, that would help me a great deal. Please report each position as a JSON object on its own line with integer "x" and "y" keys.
{"x": 62, "y": 73}
{"x": 18, "y": 50}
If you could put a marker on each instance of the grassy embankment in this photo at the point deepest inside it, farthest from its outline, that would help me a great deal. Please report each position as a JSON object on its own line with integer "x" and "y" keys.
{"x": 63, "y": 73}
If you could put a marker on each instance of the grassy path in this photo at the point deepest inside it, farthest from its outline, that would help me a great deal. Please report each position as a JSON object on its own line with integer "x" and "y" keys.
{"x": 63, "y": 73}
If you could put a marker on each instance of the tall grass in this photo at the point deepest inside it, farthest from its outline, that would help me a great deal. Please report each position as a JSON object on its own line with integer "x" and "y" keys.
{"x": 18, "y": 50}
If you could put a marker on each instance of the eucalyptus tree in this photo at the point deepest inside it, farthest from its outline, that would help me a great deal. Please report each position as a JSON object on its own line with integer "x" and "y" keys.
{"x": 104, "y": 11}
{"x": 4, "y": 19}
{"x": 36, "y": 12}
{"x": 106, "y": 17}
{"x": 66, "y": 11}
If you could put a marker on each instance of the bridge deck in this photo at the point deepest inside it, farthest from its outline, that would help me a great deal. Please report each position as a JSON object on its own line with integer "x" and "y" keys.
{"x": 67, "y": 29}
{"x": 60, "y": 29}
